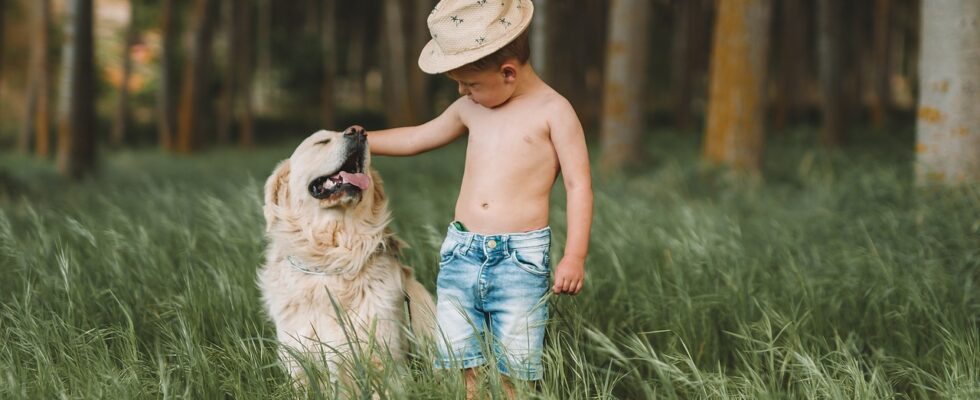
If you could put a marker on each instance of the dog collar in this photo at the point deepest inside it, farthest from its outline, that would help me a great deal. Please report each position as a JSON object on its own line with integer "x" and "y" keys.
{"x": 298, "y": 265}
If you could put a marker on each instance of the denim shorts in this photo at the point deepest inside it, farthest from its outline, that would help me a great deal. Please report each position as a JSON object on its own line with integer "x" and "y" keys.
{"x": 490, "y": 298}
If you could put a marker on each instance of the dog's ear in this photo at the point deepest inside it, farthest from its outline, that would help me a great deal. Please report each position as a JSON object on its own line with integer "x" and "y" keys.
{"x": 276, "y": 192}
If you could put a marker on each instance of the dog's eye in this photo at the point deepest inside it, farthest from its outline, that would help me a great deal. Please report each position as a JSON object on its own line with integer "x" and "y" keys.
{"x": 322, "y": 142}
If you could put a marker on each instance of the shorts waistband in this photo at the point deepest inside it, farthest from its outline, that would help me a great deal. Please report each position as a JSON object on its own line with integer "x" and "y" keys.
{"x": 503, "y": 241}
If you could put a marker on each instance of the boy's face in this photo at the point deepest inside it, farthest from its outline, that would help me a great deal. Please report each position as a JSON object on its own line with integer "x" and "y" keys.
{"x": 488, "y": 88}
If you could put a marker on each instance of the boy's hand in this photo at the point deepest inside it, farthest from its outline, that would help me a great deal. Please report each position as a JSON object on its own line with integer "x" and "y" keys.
{"x": 569, "y": 275}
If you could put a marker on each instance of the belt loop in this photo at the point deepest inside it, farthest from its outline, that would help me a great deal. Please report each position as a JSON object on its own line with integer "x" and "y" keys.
{"x": 469, "y": 241}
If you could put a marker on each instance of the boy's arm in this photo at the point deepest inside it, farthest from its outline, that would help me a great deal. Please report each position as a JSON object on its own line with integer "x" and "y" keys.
{"x": 412, "y": 140}
{"x": 573, "y": 158}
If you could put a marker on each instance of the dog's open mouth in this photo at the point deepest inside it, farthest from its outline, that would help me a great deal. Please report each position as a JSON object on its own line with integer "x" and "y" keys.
{"x": 350, "y": 178}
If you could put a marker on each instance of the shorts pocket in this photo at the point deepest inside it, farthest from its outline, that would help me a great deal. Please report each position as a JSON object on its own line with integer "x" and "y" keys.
{"x": 532, "y": 260}
{"x": 447, "y": 252}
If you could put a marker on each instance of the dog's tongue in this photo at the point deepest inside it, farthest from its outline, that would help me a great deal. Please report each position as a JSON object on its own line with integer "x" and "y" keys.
{"x": 360, "y": 180}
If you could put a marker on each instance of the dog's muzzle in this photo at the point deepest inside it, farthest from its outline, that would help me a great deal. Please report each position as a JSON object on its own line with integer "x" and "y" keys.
{"x": 351, "y": 178}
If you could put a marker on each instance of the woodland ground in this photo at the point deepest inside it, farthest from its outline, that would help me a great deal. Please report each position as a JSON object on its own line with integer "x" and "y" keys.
{"x": 832, "y": 277}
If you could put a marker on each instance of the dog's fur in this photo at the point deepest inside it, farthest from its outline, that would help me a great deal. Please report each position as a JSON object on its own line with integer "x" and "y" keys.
{"x": 344, "y": 235}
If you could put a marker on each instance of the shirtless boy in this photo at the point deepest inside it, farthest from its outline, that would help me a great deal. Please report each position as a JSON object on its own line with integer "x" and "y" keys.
{"x": 494, "y": 263}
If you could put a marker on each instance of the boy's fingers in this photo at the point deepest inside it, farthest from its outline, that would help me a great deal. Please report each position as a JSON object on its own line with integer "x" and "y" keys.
{"x": 578, "y": 287}
{"x": 560, "y": 285}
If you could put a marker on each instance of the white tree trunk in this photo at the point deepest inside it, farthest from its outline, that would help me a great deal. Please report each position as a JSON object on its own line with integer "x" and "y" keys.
{"x": 623, "y": 101}
{"x": 948, "y": 128}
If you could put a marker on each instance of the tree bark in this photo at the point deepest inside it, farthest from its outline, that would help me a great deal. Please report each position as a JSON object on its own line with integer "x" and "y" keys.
{"x": 948, "y": 126}
{"x": 399, "y": 109}
{"x": 792, "y": 74}
{"x": 230, "y": 21}
{"x": 736, "y": 105}
{"x": 193, "y": 98}
{"x": 680, "y": 64}
{"x": 3, "y": 17}
{"x": 330, "y": 61}
{"x": 263, "y": 97}
{"x": 42, "y": 124}
{"x": 625, "y": 84}
{"x": 246, "y": 75}
{"x": 830, "y": 65}
{"x": 122, "y": 106}
{"x": 165, "y": 94}
{"x": 539, "y": 39}
{"x": 357, "y": 62}
{"x": 418, "y": 80}
{"x": 39, "y": 86}
{"x": 30, "y": 95}
{"x": 881, "y": 99}
{"x": 76, "y": 136}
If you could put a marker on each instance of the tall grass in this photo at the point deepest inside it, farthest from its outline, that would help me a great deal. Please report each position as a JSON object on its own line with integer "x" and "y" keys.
{"x": 831, "y": 278}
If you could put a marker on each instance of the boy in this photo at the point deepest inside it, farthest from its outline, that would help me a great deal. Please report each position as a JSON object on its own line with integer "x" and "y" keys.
{"x": 494, "y": 262}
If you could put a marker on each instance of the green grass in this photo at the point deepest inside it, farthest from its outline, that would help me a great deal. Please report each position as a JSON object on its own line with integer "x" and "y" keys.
{"x": 833, "y": 278}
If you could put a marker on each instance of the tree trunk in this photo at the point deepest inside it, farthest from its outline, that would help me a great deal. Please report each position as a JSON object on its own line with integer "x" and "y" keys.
{"x": 263, "y": 95}
{"x": 230, "y": 19}
{"x": 680, "y": 64}
{"x": 357, "y": 58}
{"x": 857, "y": 15}
{"x": 27, "y": 123}
{"x": 568, "y": 52}
{"x": 625, "y": 84}
{"x": 881, "y": 99}
{"x": 246, "y": 75}
{"x": 736, "y": 105}
{"x": 418, "y": 80}
{"x": 76, "y": 136}
{"x": 165, "y": 95}
{"x": 948, "y": 127}
{"x": 30, "y": 95}
{"x": 399, "y": 109}
{"x": 193, "y": 96}
{"x": 330, "y": 60}
{"x": 539, "y": 39}
{"x": 830, "y": 63}
{"x": 42, "y": 115}
{"x": 42, "y": 69}
{"x": 3, "y": 17}
{"x": 122, "y": 105}
{"x": 792, "y": 73}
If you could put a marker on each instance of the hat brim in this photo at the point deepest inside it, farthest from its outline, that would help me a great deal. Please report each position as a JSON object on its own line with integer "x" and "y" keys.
{"x": 434, "y": 61}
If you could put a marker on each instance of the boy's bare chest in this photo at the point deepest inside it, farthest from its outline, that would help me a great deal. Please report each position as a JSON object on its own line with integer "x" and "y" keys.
{"x": 515, "y": 131}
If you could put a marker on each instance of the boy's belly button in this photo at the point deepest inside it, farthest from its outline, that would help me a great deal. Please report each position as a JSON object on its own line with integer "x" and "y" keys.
{"x": 485, "y": 205}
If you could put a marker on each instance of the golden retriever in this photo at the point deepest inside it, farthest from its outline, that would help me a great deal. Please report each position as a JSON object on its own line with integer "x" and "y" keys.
{"x": 328, "y": 249}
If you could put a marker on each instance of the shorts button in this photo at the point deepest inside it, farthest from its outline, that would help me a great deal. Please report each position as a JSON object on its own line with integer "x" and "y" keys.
{"x": 492, "y": 243}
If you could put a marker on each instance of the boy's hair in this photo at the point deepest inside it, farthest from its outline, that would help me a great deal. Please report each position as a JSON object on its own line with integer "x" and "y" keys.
{"x": 519, "y": 48}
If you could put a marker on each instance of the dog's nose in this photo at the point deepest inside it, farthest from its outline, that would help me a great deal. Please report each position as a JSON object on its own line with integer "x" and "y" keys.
{"x": 356, "y": 131}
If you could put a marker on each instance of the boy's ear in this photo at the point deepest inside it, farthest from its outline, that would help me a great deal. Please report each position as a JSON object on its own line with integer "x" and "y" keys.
{"x": 510, "y": 72}
{"x": 276, "y": 192}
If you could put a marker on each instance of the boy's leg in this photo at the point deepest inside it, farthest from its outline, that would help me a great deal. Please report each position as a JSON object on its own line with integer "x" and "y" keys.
{"x": 460, "y": 322}
{"x": 470, "y": 376}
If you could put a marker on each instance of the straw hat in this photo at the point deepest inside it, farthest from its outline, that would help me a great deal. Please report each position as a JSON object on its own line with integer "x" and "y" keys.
{"x": 464, "y": 31}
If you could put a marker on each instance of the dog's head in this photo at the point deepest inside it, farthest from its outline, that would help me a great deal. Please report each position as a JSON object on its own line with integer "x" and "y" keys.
{"x": 329, "y": 173}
